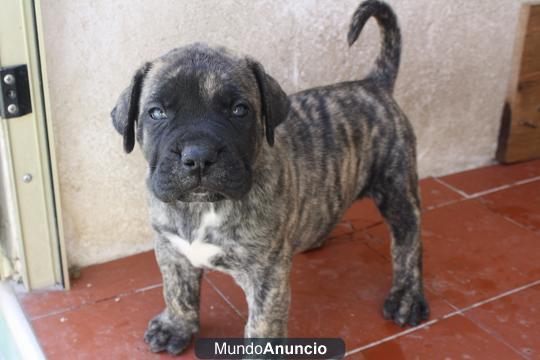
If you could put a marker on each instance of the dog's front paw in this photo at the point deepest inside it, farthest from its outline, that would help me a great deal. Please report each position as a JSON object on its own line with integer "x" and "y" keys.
{"x": 406, "y": 307}
{"x": 164, "y": 334}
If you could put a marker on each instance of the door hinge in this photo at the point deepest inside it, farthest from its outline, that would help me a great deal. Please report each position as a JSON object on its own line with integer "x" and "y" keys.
{"x": 15, "y": 100}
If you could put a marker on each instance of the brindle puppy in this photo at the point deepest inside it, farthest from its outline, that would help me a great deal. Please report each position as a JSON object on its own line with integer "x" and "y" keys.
{"x": 241, "y": 176}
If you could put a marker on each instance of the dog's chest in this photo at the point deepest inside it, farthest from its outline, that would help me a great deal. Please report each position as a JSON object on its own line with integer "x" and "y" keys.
{"x": 197, "y": 248}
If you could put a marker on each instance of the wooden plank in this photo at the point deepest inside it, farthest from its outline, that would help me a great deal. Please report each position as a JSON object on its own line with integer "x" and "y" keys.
{"x": 519, "y": 137}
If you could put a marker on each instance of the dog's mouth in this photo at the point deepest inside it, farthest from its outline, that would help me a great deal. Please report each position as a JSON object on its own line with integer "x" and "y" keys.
{"x": 202, "y": 191}
{"x": 197, "y": 191}
{"x": 201, "y": 194}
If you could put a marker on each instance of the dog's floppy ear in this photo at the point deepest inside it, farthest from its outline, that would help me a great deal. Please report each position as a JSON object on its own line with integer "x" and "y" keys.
{"x": 125, "y": 113}
{"x": 274, "y": 102}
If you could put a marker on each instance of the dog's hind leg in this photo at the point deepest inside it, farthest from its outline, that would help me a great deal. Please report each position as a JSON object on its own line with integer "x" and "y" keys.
{"x": 398, "y": 201}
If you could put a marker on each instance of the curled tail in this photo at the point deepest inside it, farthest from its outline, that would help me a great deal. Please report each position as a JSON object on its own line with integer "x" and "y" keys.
{"x": 387, "y": 63}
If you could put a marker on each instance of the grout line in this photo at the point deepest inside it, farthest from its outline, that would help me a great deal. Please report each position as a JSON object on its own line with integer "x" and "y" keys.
{"x": 483, "y": 202}
{"x": 150, "y": 287}
{"x": 526, "y": 181}
{"x": 94, "y": 302}
{"x": 464, "y": 195}
{"x": 372, "y": 226}
{"x": 442, "y": 182}
{"x": 523, "y": 226}
{"x": 501, "y": 295}
{"x": 488, "y": 191}
{"x": 391, "y": 337}
{"x": 437, "y": 206}
{"x": 497, "y": 336}
{"x": 444, "y": 317}
{"x": 59, "y": 311}
{"x": 373, "y": 238}
{"x": 225, "y": 298}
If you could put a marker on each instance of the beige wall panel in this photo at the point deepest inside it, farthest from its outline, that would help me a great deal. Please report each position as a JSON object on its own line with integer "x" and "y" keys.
{"x": 456, "y": 63}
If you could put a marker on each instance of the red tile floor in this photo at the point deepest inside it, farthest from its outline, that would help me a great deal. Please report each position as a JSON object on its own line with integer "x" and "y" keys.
{"x": 481, "y": 233}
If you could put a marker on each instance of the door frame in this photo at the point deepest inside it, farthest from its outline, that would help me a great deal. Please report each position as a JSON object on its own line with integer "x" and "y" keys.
{"x": 37, "y": 252}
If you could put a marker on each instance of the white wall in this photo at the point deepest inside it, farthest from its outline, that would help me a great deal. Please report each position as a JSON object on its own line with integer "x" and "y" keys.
{"x": 455, "y": 67}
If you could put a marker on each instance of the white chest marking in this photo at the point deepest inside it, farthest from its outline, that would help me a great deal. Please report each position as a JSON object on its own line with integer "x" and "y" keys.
{"x": 198, "y": 252}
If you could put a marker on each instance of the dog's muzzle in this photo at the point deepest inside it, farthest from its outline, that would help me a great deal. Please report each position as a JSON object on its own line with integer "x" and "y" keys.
{"x": 201, "y": 172}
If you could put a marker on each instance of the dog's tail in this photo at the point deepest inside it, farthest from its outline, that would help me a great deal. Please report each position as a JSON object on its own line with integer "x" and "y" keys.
{"x": 387, "y": 63}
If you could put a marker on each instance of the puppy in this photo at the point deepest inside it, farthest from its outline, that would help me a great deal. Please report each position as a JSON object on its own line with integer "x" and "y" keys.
{"x": 242, "y": 176}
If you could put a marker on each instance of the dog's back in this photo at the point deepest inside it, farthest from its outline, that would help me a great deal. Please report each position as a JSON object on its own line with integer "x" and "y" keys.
{"x": 348, "y": 130}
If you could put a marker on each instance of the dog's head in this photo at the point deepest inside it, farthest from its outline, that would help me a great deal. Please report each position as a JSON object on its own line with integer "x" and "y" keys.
{"x": 201, "y": 116}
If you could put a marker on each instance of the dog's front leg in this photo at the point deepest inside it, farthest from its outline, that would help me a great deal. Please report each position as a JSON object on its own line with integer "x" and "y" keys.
{"x": 268, "y": 297}
{"x": 173, "y": 328}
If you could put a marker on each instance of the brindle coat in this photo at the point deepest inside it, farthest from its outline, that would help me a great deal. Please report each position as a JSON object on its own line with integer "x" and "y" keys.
{"x": 255, "y": 193}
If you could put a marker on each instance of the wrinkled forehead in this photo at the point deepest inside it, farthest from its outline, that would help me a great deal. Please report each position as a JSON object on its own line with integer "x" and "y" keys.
{"x": 199, "y": 71}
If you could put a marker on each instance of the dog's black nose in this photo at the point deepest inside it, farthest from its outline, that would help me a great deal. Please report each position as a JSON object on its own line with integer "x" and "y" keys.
{"x": 197, "y": 157}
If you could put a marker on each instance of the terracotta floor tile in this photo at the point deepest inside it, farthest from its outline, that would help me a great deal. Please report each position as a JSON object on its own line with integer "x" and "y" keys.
{"x": 471, "y": 253}
{"x": 452, "y": 338}
{"x": 114, "y": 329}
{"x": 520, "y": 203}
{"x": 336, "y": 291}
{"x": 362, "y": 214}
{"x": 515, "y": 318}
{"x": 474, "y": 250}
{"x": 434, "y": 193}
{"x": 477, "y": 180}
{"x": 96, "y": 283}
{"x": 342, "y": 229}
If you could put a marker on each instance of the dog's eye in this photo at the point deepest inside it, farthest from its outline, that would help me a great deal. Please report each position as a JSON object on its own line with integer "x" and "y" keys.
{"x": 157, "y": 113}
{"x": 240, "y": 109}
